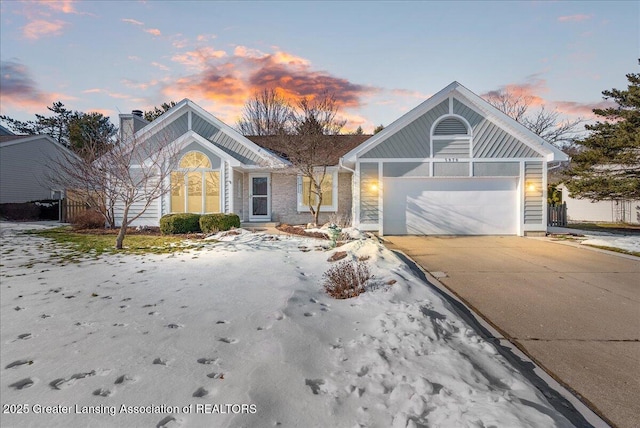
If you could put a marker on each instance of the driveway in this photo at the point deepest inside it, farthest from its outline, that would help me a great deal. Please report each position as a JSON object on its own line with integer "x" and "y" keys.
{"x": 573, "y": 310}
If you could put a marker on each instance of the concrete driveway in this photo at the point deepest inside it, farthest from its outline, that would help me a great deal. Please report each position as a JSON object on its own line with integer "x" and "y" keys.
{"x": 574, "y": 311}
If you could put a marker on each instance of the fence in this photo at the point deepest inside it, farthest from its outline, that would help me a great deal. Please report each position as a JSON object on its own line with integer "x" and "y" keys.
{"x": 71, "y": 208}
{"x": 557, "y": 215}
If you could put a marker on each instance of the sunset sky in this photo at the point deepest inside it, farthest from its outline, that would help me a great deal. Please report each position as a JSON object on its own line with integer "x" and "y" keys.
{"x": 379, "y": 58}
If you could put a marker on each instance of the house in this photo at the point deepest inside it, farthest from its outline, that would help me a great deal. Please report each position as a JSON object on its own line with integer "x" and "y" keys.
{"x": 584, "y": 210}
{"x": 220, "y": 170}
{"x": 452, "y": 165}
{"x": 27, "y": 163}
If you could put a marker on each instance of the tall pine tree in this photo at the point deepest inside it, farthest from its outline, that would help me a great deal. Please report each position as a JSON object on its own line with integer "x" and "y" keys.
{"x": 606, "y": 165}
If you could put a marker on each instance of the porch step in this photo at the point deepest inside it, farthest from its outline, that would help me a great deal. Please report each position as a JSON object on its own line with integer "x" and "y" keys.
{"x": 259, "y": 224}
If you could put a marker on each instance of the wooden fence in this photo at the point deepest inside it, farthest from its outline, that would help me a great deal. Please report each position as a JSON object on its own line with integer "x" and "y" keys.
{"x": 557, "y": 215}
{"x": 71, "y": 208}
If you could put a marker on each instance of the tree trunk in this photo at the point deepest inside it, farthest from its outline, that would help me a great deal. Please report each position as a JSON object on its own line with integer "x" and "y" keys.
{"x": 123, "y": 228}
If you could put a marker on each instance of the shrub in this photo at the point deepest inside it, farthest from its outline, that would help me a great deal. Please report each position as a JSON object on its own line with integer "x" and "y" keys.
{"x": 20, "y": 211}
{"x": 346, "y": 279}
{"x": 172, "y": 224}
{"x": 88, "y": 219}
{"x": 213, "y": 223}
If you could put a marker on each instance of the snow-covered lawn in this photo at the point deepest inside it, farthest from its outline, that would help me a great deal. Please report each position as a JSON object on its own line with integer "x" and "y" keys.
{"x": 626, "y": 242}
{"x": 241, "y": 333}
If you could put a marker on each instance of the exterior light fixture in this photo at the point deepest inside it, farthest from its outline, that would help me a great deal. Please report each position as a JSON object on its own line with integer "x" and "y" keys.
{"x": 374, "y": 187}
{"x": 531, "y": 187}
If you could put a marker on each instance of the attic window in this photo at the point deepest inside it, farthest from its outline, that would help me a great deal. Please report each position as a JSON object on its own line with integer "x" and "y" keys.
{"x": 450, "y": 126}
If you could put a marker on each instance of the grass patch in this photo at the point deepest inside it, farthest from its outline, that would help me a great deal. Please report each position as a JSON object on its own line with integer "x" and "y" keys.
{"x": 97, "y": 243}
{"x": 617, "y": 250}
{"x": 607, "y": 227}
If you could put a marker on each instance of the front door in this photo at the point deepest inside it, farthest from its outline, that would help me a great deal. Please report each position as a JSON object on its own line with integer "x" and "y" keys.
{"x": 260, "y": 197}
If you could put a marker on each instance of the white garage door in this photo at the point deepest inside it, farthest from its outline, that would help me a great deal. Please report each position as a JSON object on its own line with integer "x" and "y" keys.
{"x": 450, "y": 206}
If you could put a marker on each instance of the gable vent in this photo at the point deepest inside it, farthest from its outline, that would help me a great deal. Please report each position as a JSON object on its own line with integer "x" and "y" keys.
{"x": 450, "y": 126}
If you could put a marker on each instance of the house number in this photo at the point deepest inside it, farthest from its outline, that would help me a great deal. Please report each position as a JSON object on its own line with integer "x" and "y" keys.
{"x": 451, "y": 159}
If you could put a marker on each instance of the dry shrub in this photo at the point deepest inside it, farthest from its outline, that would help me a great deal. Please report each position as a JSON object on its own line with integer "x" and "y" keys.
{"x": 296, "y": 230}
{"x": 346, "y": 279}
{"x": 338, "y": 255}
{"x": 89, "y": 219}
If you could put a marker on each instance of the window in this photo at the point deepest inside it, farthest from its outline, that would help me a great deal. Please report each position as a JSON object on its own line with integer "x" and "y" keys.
{"x": 195, "y": 187}
{"x": 306, "y": 196}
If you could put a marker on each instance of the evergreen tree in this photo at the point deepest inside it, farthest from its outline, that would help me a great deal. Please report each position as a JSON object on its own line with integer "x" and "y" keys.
{"x": 152, "y": 115}
{"x": 606, "y": 165}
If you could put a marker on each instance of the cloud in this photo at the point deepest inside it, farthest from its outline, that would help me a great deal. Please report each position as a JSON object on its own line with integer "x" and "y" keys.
{"x": 20, "y": 91}
{"x": 106, "y": 92}
{"x": 160, "y": 66}
{"x": 153, "y": 31}
{"x": 199, "y": 58}
{"x": 64, "y": 6}
{"x": 530, "y": 90}
{"x": 584, "y": 110}
{"x": 132, "y": 21}
{"x": 574, "y": 18}
{"x": 410, "y": 94}
{"x": 39, "y": 28}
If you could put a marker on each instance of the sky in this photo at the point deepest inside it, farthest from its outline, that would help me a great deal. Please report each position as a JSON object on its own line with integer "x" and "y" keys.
{"x": 379, "y": 59}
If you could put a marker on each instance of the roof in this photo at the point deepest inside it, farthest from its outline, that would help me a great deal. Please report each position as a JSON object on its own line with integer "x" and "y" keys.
{"x": 340, "y": 145}
{"x": 496, "y": 116}
{"x": 4, "y": 131}
{"x": 8, "y": 140}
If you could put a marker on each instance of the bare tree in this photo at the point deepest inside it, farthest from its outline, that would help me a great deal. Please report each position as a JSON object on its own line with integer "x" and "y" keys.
{"x": 127, "y": 174}
{"x": 267, "y": 113}
{"x": 546, "y": 124}
{"x": 309, "y": 148}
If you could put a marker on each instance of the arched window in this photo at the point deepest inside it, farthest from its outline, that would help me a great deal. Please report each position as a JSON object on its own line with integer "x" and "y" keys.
{"x": 195, "y": 186}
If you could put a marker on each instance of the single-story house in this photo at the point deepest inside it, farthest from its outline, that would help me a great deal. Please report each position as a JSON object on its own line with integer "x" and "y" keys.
{"x": 26, "y": 167}
{"x": 452, "y": 165}
{"x": 584, "y": 210}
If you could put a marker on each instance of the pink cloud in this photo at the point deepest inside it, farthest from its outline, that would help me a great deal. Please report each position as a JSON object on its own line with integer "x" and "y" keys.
{"x": 574, "y": 18}
{"x": 199, "y": 58}
{"x": 530, "y": 91}
{"x": 160, "y": 66}
{"x": 38, "y": 28}
{"x": 584, "y": 110}
{"x": 153, "y": 31}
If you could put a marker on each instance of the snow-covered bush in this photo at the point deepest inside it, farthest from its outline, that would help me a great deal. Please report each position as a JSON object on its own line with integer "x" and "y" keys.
{"x": 346, "y": 279}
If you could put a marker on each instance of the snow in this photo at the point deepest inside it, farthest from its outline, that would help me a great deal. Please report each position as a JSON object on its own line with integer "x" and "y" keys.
{"x": 241, "y": 333}
{"x": 630, "y": 242}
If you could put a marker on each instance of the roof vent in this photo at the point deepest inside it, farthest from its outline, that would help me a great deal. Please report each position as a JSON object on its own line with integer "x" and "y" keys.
{"x": 136, "y": 113}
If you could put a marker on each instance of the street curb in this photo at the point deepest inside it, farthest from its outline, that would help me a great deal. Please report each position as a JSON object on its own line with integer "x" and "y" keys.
{"x": 565, "y": 402}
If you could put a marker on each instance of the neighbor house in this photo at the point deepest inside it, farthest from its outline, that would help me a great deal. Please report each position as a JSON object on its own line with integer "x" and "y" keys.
{"x": 615, "y": 211}
{"x": 27, "y": 166}
{"x": 452, "y": 165}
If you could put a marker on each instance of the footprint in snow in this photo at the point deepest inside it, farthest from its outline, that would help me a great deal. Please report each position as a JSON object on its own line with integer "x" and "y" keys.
{"x": 22, "y": 384}
{"x": 315, "y": 385}
{"x": 62, "y": 383}
{"x": 200, "y": 392}
{"x": 214, "y": 375}
{"x": 24, "y": 336}
{"x": 124, "y": 379}
{"x": 222, "y": 322}
{"x": 19, "y": 363}
{"x": 168, "y": 422}
{"x": 207, "y": 360}
{"x": 309, "y": 314}
{"x": 173, "y": 325}
{"x": 228, "y": 340}
{"x": 160, "y": 361}
{"x": 102, "y": 392}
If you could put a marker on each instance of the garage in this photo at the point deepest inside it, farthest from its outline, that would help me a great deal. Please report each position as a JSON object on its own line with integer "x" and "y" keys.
{"x": 450, "y": 206}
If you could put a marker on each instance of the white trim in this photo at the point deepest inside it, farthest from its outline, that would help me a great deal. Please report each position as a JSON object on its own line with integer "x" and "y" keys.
{"x": 380, "y": 199}
{"x": 303, "y": 208}
{"x": 231, "y": 187}
{"x": 355, "y": 196}
{"x": 498, "y": 118}
{"x": 521, "y": 192}
{"x": 268, "y": 195}
{"x": 183, "y": 141}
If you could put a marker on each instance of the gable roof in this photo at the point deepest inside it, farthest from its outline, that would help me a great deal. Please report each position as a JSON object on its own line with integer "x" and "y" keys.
{"x": 338, "y": 145}
{"x": 500, "y": 119}
{"x": 216, "y": 133}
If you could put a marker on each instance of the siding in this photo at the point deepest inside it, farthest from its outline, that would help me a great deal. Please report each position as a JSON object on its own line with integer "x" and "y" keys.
{"x": 25, "y": 169}
{"x": 496, "y": 169}
{"x": 450, "y": 126}
{"x": 150, "y": 217}
{"x": 451, "y": 148}
{"x": 227, "y": 188}
{"x": 489, "y": 140}
{"x": 167, "y": 133}
{"x": 451, "y": 169}
{"x": 225, "y": 142}
{"x": 533, "y": 199}
{"x": 413, "y": 140}
{"x": 368, "y": 196}
{"x": 405, "y": 169}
